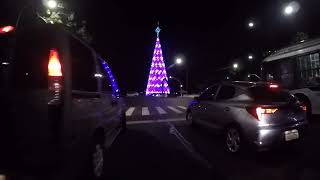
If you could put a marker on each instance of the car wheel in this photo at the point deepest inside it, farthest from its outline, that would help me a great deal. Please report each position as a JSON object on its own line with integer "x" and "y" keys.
{"x": 309, "y": 109}
{"x": 305, "y": 101}
{"x": 98, "y": 154}
{"x": 123, "y": 123}
{"x": 233, "y": 140}
{"x": 189, "y": 118}
{"x": 98, "y": 161}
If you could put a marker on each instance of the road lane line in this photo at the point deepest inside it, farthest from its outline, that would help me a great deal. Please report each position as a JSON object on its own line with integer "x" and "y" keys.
{"x": 160, "y": 110}
{"x": 155, "y": 121}
{"x": 183, "y": 107}
{"x": 145, "y": 111}
{"x": 129, "y": 112}
{"x": 175, "y": 110}
{"x": 188, "y": 145}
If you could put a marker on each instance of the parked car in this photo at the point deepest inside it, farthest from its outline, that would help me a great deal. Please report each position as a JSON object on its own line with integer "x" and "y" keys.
{"x": 58, "y": 103}
{"x": 132, "y": 94}
{"x": 260, "y": 114}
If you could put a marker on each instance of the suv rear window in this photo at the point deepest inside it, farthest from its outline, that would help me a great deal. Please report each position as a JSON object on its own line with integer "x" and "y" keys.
{"x": 4, "y": 56}
{"x": 30, "y": 67}
{"x": 267, "y": 94}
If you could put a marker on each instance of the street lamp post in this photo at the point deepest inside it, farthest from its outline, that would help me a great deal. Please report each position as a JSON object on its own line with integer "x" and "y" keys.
{"x": 179, "y": 61}
{"x": 235, "y": 66}
{"x": 291, "y": 8}
{"x": 251, "y": 25}
{"x": 180, "y": 83}
{"x": 51, "y": 4}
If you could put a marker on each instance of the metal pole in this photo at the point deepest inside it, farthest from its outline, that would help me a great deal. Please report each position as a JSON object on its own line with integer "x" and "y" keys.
{"x": 180, "y": 89}
{"x": 20, "y": 15}
{"x": 187, "y": 79}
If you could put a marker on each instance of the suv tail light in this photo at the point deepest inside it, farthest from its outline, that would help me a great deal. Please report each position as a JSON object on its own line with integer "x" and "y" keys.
{"x": 55, "y": 78}
{"x": 54, "y": 65}
{"x": 259, "y": 112}
{"x": 6, "y": 29}
{"x": 274, "y": 86}
{"x": 303, "y": 108}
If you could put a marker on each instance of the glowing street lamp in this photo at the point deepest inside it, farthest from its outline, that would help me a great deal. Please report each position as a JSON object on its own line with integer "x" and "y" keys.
{"x": 235, "y": 66}
{"x": 51, "y": 4}
{"x": 179, "y": 61}
{"x": 288, "y": 10}
{"x": 250, "y": 57}
{"x": 251, "y": 25}
{"x": 291, "y": 8}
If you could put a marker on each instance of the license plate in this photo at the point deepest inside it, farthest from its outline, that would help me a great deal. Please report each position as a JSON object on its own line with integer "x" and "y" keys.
{"x": 291, "y": 135}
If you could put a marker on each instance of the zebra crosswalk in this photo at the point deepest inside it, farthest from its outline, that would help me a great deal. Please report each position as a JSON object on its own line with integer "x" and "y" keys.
{"x": 160, "y": 110}
{"x": 129, "y": 112}
{"x": 149, "y": 111}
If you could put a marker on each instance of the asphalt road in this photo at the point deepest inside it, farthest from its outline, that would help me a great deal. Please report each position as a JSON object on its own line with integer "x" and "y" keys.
{"x": 162, "y": 146}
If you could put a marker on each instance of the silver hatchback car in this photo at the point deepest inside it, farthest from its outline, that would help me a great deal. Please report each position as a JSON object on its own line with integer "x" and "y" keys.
{"x": 249, "y": 113}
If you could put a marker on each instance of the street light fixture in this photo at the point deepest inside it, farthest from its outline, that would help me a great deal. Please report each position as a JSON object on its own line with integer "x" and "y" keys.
{"x": 51, "y": 4}
{"x": 235, "y": 66}
{"x": 291, "y": 8}
{"x": 251, "y": 25}
{"x": 288, "y": 10}
{"x": 179, "y": 61}
{"x": 176, "y": 79}
{"x": 250, "y": 57}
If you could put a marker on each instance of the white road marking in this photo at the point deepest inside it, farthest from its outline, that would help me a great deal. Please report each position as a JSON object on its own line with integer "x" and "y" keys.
{"x": 160, "y": 110}
{"x": 174, "y": 131}
{"x": 129, "y": 112}
{"x": 145, "y": 111}
{"x": 183, "y": 107}
{"x": 155, "y": 121}
{"x": 175, "y": 110}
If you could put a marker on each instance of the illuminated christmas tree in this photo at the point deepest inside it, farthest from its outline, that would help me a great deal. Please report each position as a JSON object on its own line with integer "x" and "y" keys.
{"x": 158, "y": 80}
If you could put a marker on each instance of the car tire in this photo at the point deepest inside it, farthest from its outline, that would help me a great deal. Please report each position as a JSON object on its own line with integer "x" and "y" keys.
{"x": 233, "y": 140}
{"x": 305, "y": 101}
{"x": 123, "y": 122}
{"x": 98, "y": 154}
{"x": 189, "y": 119}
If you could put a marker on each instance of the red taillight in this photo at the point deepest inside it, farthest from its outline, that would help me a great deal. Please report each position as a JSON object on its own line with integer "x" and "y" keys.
{"x": 304, "y": 108}
{"x": 54, "y": 65}
{"x": 273, "y": 86}
{"x": 55, "y": 79}
{"x": 260, "y": 112}
{"x": 6, "y": 29}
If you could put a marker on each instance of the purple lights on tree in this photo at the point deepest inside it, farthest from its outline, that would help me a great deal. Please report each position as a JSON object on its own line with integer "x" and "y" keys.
{"x": 158, "y": 80}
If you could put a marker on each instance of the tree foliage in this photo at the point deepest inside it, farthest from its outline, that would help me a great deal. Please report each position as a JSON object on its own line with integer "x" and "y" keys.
{"x": 67, "y": 18}
{"x": 300, "y": 37}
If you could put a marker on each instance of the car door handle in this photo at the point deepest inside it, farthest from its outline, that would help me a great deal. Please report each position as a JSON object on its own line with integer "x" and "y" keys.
{"x": 226, "y": 109}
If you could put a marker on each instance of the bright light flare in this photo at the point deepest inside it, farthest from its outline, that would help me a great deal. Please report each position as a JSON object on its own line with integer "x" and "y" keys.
{"x": 262, "y": 111}
{"x": 52, "y": 4}
{"x": 274, "y": 86}
{"x": 179, "y": 61}
{"x": 54, "y": 65}
{"x": 235, "y": 66}
{"x": 98, "y": 75}
{"x": 6, "y": 29}
{"x": 251, "y": 24}
{"x": 291, "y": 8}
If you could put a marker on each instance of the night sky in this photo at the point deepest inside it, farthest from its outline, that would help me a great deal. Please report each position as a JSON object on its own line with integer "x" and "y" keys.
{"x": 209, "y": 34}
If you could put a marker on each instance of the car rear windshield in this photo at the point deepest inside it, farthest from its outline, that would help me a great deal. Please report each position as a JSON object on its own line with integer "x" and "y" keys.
{"x": 5, "y": 51}
{"x": 267, "y": 94}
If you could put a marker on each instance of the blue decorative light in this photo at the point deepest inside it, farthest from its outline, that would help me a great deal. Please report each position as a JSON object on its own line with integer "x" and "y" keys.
{"x": 115, "y": 89}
